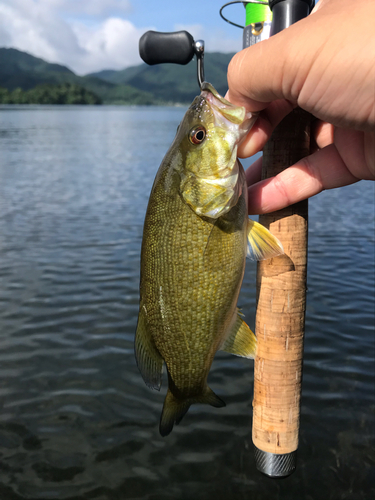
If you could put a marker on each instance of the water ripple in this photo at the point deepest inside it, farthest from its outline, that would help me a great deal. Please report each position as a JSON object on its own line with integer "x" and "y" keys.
{"x": 77, "y": 421}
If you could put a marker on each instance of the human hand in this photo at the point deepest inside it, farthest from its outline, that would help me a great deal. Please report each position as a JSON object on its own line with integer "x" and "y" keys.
{"x": 326, "y": 65}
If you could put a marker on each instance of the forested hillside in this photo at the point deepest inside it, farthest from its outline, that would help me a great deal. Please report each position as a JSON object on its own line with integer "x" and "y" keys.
{"x": 28, "y": 79}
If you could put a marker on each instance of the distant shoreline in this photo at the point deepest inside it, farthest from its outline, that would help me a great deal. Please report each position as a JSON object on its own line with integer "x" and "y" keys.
{"x": 101, "y": 105}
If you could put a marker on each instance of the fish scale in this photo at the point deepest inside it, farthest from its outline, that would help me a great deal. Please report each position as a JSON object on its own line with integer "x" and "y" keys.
{"x": 186, "y": 280}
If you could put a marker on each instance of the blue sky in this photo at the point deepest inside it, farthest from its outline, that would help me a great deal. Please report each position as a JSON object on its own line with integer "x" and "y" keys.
{"x": 90, "y": 35}
{"x": 165, "y": 14}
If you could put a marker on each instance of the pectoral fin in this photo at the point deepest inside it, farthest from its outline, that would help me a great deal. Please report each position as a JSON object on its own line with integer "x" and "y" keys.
{"x": 241, "y": 341}
{"x": 261, "y": 244}
{"x": 149, "y": 360}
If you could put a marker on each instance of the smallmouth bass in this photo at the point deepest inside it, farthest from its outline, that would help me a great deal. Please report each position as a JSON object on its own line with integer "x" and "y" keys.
{"x": 195, "y": 240}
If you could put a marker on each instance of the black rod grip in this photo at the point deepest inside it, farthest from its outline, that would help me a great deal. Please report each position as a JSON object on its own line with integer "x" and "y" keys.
{"x": 176, "y": 47}
{"x": 287, "y": 12}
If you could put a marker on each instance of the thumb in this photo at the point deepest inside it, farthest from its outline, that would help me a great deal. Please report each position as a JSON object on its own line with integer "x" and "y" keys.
{"x": 278, "y": 67}
{"x": 257, "y": 76}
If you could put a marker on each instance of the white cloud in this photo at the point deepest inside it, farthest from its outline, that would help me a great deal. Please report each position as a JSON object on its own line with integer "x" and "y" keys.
{"x": 78, "y": 7}
{"x": 28, "y": 26}
{"x": 37, "y": 27}
{"x": 86, "y": 35}
{"x": 111, "y": 45}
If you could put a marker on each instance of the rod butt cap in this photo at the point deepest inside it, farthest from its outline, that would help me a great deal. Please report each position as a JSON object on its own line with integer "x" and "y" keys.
{"x": 273, "y": 465}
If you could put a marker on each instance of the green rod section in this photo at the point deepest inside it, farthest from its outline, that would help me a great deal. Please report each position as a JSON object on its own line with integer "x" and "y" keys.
{"x": 257, "y": 13}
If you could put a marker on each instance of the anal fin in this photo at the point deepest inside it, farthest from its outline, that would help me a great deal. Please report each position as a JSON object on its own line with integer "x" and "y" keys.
{"x": 241, "y": 341}
{"x": 149, "y": 360}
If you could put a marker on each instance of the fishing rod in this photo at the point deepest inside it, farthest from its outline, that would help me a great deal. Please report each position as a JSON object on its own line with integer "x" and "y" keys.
{"x": 281, "y": 282}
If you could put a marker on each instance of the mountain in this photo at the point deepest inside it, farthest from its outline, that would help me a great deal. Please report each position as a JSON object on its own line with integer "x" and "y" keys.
{"x": 22, "y": 70}
{"x": 105, "y": 74}
{"x": 171, "y": 82}
{"x": 142, "y": 84}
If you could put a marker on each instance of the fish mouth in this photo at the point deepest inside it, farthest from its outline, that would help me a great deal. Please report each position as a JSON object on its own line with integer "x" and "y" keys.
{"x": 228, "y": 115}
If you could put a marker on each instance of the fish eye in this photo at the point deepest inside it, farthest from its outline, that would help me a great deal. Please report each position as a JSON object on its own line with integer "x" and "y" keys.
{"x": 197, "y": 135}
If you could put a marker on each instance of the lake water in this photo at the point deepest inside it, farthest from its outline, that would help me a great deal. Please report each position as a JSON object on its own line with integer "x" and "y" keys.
{"x": 76, "y": 420}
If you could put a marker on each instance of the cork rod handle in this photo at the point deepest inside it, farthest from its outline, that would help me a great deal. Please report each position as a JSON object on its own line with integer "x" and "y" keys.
{"x": 280, "y": 317}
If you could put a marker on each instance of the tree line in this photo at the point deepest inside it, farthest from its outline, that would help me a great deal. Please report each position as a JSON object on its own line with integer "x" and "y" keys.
{"x": 65, "y": 93}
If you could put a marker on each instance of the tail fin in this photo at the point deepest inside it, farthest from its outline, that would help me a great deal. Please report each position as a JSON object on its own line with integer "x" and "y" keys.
{"x": 175, "y": 409}
{"x": 173, "y": 412}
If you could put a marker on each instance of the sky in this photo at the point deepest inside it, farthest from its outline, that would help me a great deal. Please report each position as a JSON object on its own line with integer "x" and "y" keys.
{"x": 92, "y": 35}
